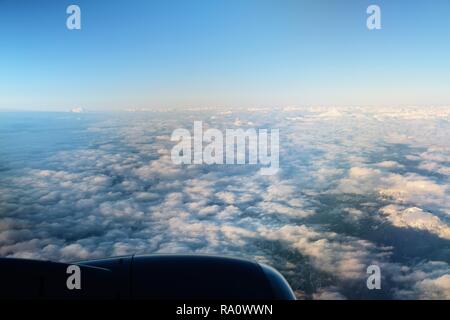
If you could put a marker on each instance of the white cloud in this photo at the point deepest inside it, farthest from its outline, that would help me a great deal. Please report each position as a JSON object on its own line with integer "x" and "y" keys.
{"x": 125, "y": 196}
{"x": 416, "y": 218}
{"x": 429, "y": 280}
{"x": 331, "y": 293}
{"x": 227, "y": 197}
{"x": 77, "y": 110}
{"x": 389, "y": 164}
{"x": 343, "y": 256}
{"x": 435, "y": 167}
{"x": 407, "y": 188}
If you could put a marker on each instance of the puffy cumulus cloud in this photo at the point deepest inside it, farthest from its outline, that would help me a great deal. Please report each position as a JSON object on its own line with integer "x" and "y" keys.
{"x": 284, "y": 210}
{"x": 428, "y": 280}
{"x": 74, "y": 251}
{"x": 324, "y": 175}
{"x": 416, "y": 218}
{"x": 146, "y": 196}
{"x": 438, "y": 288}
{"x": 316, "y": 220}
{"x": 279, "y": 191}
{"x": 435, "y": 167}
{"x": 352, "y": 214}
{"x": 389, "y": 164}
{"x": 343, "y": 256}
{"x": 406, "y": 188}
{"x": 163, "y": 168}
{"x": 361, "y": 180}
{"x": 413, "y": 188}
{"x": 227, "y": 197}
{"x": 282, "y": 201}
{"x": 203, "y": 236}
{"x": 439, "y": 154}
{"x": 331, "y": 293}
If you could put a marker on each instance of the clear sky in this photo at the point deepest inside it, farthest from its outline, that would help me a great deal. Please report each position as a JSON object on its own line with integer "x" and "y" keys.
{"x": 202, "y": 53}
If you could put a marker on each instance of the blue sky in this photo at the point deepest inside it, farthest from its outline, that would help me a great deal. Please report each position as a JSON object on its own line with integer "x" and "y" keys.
{"x": 206, "y": 53}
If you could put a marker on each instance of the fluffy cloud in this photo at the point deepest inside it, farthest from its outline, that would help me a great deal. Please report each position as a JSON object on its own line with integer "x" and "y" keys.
{"x": 429, "y": 280}
{"x": 331, "y": 293}
{"x": 389, "y": 164}
{"x": 416, "y": 218}
{"x": 345, "y": 257}
{"x": 406, "y": 188}
{"x": 343, "y": 176}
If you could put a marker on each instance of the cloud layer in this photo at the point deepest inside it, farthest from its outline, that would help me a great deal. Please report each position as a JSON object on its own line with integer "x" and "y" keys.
{"x": 353, "y": 184}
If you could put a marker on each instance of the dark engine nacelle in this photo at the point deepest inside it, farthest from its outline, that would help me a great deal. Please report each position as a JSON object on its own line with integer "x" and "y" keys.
{"x": 156, "y": 277}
